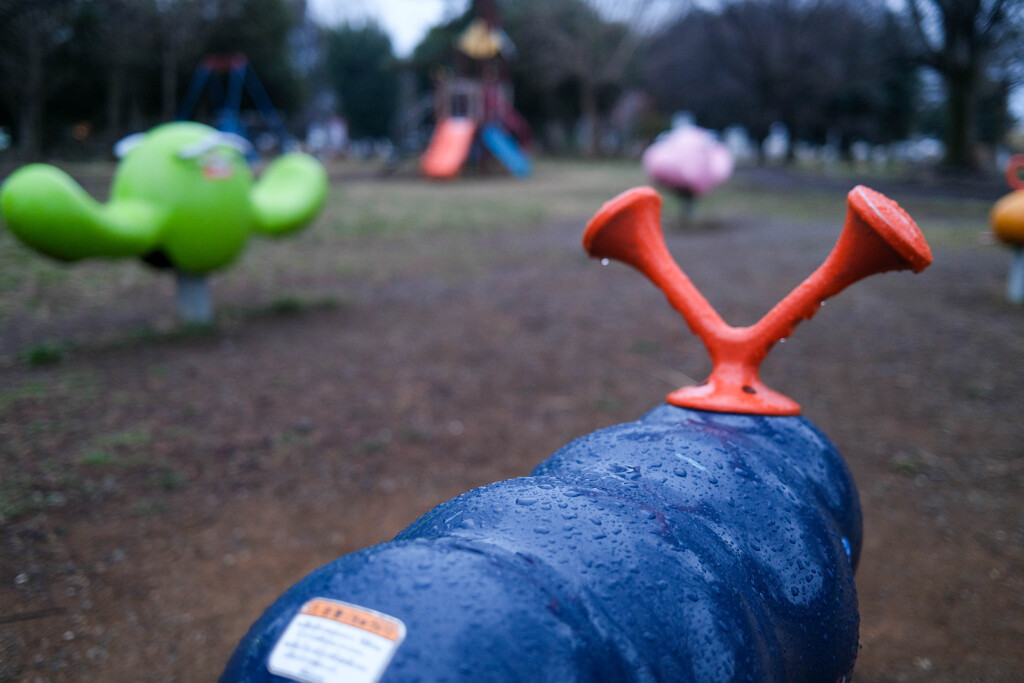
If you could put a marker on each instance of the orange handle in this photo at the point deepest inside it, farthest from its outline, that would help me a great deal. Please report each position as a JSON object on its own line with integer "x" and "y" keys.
{"x": 877, "y": 236}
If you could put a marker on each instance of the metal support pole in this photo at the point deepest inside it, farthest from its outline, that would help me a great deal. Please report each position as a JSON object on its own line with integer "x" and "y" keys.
{"x": 1015, "y": 280}
{"x": 193, "y": 298}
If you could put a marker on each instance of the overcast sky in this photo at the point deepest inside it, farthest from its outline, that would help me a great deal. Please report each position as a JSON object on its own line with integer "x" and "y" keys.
{"x": 406, "y": 21}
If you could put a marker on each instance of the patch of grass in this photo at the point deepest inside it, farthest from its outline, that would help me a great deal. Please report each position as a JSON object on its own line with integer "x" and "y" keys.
{"x": 425, "y": 209}
{"x": 73, "y": 388}
{"x": 170, "y": 479}
{"x": 126, "y": 448}
{"x": 17, "y": 498}
{"x": 373, "y": 229}
{"x": 37, "y": 428}
{"x": 375, "y": 208}
{"x": 29, "y": 390}
{"x": 68, "y": 480}
{"x": 96, "y": 458}
{"x": 44, "y": 354}
{"x": 19, "y": 495}
{"x": 150, "y": 507}
{"x": 128, "y": 438}
{"x": 795, "y": 207}
{"x": 8, "y": 282}
{"x": 376, "y": 229}
{"x": 285, "y": 306}
{"x": 56, "y": 499}
{"x": 36, "y": 288}
{"x": 952, "y": 223}
{"x": 903, "y": 463}
{"x": 22, "y": 268}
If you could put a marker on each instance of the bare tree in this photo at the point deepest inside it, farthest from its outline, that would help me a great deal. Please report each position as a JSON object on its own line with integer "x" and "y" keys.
{"x": 588, "y": 44}
{"x": 961, "y": 39}
{"x": 827, "y": 69}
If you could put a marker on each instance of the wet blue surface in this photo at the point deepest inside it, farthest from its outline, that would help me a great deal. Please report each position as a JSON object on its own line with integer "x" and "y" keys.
{"x": 687, "y": 545}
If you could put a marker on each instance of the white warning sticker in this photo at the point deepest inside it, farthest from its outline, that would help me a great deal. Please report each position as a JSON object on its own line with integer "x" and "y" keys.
{"x": 330, "y": 641}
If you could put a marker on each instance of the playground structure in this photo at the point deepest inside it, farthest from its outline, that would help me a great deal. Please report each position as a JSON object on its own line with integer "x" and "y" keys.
{"x": 1007, "y": 219}
{"x": 226, "y": 79}
{"x": 715, "y": 538}
{"x": 689, "y": 161}
{"x": 473, "y": 109}
{"x": 183, "y": 197}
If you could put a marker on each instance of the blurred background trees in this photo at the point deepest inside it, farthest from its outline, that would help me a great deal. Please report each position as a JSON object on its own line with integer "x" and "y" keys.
{"x": 590, "y": 75}
{"x": 97, "y": 69}
{"x": 575, "y": 60}
{"x": 977, "y": 49}
{"x": 32, "y": 34}
{"x": 363, "y": 76}
{"x": 829, "y": 71}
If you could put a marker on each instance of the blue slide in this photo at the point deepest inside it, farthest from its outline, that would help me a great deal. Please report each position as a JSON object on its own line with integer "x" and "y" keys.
{"x": 505, "y": 149}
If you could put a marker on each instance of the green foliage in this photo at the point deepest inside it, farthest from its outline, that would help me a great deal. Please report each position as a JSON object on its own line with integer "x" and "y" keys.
{"x": 360, "y": 66}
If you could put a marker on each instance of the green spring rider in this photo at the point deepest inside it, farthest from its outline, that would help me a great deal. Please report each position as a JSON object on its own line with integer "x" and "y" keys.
{"x": 183, "y": 197}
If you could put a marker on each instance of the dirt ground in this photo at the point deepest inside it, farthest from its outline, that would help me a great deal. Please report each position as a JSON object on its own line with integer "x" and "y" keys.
{"x": 180, "y": 480}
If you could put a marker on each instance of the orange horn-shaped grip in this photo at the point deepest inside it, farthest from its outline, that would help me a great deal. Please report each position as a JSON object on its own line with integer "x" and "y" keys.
{"x": 878, "y": 236}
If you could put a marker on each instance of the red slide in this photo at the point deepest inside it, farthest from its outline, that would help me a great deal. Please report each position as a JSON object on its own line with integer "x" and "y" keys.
{"x": 448, "y": 148}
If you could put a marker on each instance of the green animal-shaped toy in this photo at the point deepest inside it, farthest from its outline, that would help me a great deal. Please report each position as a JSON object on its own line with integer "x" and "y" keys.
{"x": 183, "y": 196}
